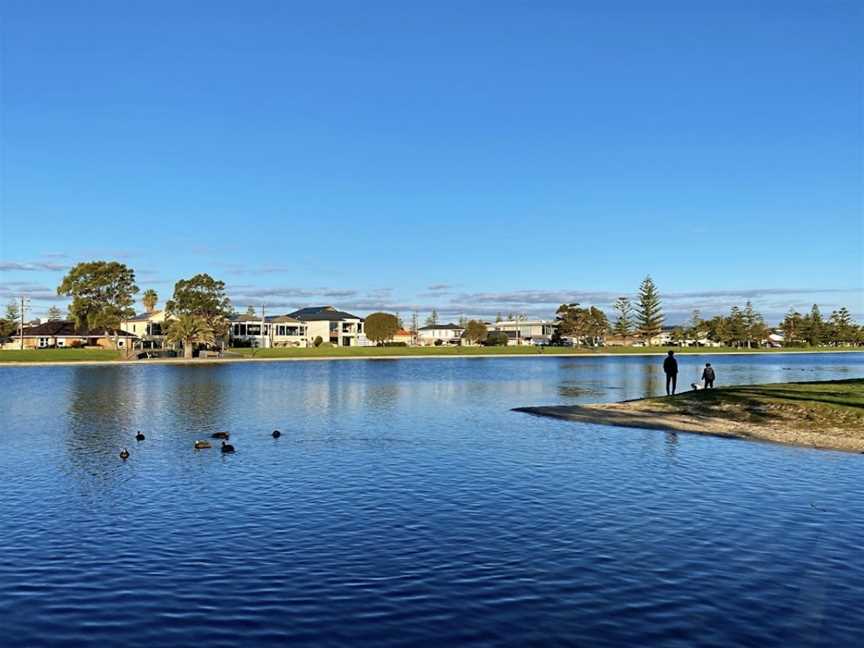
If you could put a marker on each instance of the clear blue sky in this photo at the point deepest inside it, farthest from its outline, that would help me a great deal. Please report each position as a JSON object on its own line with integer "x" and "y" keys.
{"x": 478, "y": 157}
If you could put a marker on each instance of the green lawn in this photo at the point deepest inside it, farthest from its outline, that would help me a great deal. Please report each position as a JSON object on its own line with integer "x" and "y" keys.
{"x": 838, "y": 403}
{"x": 81, "y": 355}
{"x": 58, "y": 355}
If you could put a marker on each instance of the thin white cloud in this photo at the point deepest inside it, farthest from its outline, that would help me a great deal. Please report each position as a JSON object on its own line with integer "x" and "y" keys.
{"x": 31, "y": 266}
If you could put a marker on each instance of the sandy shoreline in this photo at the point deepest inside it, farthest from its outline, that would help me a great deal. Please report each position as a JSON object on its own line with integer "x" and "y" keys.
{"x": 786, "y": 427}
{"x": 216, "y": 361}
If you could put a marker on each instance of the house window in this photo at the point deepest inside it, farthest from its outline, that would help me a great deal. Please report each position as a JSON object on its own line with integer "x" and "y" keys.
{"x": 43, "y": 342}
{"x": 61, "y": 343}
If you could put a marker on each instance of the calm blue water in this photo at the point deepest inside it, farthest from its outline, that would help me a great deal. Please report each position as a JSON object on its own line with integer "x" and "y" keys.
{"x": 406, "y": 504}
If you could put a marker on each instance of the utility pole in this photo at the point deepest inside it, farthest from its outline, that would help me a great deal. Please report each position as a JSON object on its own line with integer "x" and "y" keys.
{"x": 21, "y": 319}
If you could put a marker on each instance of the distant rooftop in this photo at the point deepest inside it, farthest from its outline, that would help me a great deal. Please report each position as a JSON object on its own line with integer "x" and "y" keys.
{"x": 67, "y": 328}
{"x": 277, "y": 319}
{"x": 441, "y": 327}
{"x": 319, "y": 313}
{"x": 143, "y": 317}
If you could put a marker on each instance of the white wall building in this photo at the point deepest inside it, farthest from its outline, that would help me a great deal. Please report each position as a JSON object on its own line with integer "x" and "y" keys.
{"x": 269, "y": 332}
{"x": 447, "y": 333}
{"x": 525, "y": 331}
{"x": 334, "y": 326}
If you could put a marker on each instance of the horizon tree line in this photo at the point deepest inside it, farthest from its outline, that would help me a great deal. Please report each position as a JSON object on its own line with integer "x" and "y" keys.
{"x": 102, "y": 294}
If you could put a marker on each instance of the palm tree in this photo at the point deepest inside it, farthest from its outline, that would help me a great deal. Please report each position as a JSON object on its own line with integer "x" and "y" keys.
{"x": 149, "y": 299}
{"x": 189, "y": 330}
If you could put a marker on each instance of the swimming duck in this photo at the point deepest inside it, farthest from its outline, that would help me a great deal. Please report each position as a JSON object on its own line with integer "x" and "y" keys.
{"x": 276, "y": 434}
{"x": 220, "y": 435}
{"x": 124, "y": 454}
{"x": 227, "y": 447}
{"x": 202, "y": 445}
{"x": 139, "y": 436}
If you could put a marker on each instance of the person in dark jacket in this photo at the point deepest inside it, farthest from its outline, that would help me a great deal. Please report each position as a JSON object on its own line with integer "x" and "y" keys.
{"x": 708, "y": 376}
{"x": 670, "y": 367}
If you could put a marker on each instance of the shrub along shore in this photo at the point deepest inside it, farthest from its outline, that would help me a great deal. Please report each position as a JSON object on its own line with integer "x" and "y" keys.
{"x": 44, "y": 356}
{"x": 825, "y": 415}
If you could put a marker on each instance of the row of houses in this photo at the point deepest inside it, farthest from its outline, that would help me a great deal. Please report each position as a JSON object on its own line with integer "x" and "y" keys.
{"x": 304, "y": 327}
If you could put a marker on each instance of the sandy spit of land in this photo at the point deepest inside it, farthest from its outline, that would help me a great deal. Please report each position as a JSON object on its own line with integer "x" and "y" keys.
{"x": 785, "y": 427}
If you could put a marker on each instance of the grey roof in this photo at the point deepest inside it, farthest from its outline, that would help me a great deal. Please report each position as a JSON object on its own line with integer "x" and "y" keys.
{"x": 143, "y": 317}
{"x": 319, "y": 313}
{"x": 66, "y": 328}
{"x": 439, "y": 327}
{"x": 278, "y": 319}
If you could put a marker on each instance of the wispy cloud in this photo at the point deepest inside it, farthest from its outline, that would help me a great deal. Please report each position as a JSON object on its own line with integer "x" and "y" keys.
{"x": 31, "y": 266}
{"x": 32, "y": 291}
{"x": 529, "y": 297}
{"x": 756, "y": 293}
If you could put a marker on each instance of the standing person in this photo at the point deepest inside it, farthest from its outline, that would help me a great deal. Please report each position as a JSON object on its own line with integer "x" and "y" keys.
{"x": 708, "y": 376}
{"x": 670, "y": 367}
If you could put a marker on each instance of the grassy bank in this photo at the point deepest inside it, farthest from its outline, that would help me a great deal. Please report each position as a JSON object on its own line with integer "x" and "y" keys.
{"x": 59, "y": 355}
{"x": 817, "y": 414}
{"x": 100, "y": 355}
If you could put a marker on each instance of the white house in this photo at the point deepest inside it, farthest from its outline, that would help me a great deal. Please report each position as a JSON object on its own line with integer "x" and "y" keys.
{"x": 331, "y": 325}
{"x": 149, "y": 328}
{"x": 446, "y": 333}
{"x": 525, "y": 331}
{"x": 268, "y": 332}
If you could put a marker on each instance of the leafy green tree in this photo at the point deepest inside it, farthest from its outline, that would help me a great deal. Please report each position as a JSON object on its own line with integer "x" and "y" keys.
{"x": 649, "y": 311}
{"x": 593, "y": 325}
{"x": 11, "y": 320}
{"x": 432, "y": 320}
{"x": 589, "y": 325}
{"x": 566, "y": 319}
{"x": 189, "y": 330}
{"x": 679, "y": 335}
{"x": 813, "y": 327}
{"x": 149, "y": 299}
{"x": 381, "y": 327}
{"x": 250, "y": 310}
{"x": 13, "y": 311}
{"x": 54, "y": 314}
{"x": 718, "y": 329}
{"x": 696, "y": 328}
{"x": 624, "y": 318}
{"x": 475, "y": 332}
{"x": 496, "y": 338}
{"x": 842, "y": 327}
{"x": 204, "y": 297}
{"x": 102, "y": 294}
{"x": 792, "y": 326}
{"x": 754, "y": 326}
{"x": 736, "y": 327}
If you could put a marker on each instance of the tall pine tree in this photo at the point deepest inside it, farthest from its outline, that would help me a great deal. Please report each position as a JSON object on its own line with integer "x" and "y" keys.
{"x": 649, "y": 311}
{"x": 624, "y": 322}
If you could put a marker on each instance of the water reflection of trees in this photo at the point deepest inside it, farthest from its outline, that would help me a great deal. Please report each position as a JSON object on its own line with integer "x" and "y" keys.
{"x": 99, "y": 419}
{"x": 106, "y": 405}
{"x": 195, "y": 398}
{"x": 99, "y": 413}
